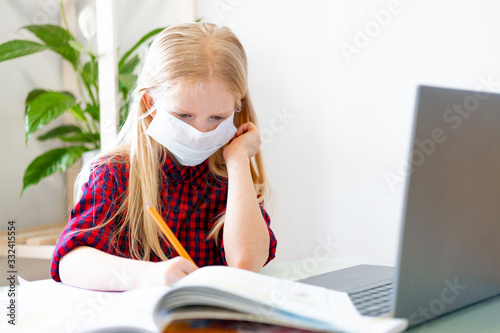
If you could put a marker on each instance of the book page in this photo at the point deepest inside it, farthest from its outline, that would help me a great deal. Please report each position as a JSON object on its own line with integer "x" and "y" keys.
{"x": 293, "y": 297}
{"x": 49, "y": 306}
{"x": 300, "y": 302}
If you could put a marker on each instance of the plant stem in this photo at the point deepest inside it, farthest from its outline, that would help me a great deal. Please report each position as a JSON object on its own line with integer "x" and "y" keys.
{"x": 91, "y": 94}
{"x": 79, "y": 84}
{"x": 63, "y": 15}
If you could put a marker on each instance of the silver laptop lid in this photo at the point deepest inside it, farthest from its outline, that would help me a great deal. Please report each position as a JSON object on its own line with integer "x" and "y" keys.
{"x": 449, "y": 253}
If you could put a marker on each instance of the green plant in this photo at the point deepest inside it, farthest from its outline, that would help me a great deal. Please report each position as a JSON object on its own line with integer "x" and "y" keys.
{"x": 43, "y": 106}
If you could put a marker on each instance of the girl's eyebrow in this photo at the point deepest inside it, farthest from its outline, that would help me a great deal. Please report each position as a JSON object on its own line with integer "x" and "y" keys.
{"x": 223, "y": 113}
{"x": 176, "y": 109}
{"x": 179, "y": 110}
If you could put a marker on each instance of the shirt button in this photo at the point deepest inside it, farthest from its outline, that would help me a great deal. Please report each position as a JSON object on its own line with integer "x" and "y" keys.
{"x": 197, "y": 238}
{"x": 175, "y": 209}
{"x": 175, "y": 176}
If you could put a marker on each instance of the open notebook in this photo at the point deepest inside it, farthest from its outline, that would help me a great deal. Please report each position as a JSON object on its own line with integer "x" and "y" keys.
{"x": 213, "y": 292}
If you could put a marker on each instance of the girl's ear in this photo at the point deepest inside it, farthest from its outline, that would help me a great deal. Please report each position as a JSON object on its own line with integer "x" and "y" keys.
{"x": 148, "y": 102}
{"x": 237, "y": 118}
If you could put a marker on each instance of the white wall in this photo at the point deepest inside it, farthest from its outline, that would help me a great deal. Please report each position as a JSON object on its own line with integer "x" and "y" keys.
{"x": 348, "y": 122}
{"x": 351, "y": 118}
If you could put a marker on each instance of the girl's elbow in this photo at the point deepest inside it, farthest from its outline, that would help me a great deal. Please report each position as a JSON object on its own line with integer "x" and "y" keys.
{"x": 246, "y": 266}
{"x": 248, "y": 263}
{"x": 66, "y": 267}
{"x": 64, "y": 270}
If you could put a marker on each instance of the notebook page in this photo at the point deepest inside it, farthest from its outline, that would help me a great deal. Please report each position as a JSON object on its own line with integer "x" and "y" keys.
{"x": 318, "y": 303}
{"x": 294, "y": 297}
{"x": 49, "y": 306}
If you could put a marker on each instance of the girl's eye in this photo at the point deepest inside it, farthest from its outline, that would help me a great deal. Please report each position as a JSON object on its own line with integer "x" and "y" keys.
{"x": 218, "y": 118}
{"x": 183, "y": 115}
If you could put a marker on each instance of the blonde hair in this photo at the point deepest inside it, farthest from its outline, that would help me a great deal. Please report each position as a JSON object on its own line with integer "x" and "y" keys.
{"x": 181, "y": 54}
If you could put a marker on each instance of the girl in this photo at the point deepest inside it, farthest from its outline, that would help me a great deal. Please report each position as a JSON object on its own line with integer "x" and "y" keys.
{"x": 189, "y": 147}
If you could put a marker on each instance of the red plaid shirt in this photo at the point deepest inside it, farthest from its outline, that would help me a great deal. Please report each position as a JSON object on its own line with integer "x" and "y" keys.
{"x": 191, "y": 200}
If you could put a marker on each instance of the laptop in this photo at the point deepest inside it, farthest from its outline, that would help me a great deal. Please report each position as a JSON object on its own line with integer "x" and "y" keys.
{"x": 449, "y": 249}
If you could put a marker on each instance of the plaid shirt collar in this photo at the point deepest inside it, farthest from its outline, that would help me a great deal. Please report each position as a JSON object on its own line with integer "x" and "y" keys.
{"x": 195, "y": 175}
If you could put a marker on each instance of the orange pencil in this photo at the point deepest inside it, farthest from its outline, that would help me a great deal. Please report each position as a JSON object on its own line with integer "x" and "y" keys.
{"x": 168, "y": 233}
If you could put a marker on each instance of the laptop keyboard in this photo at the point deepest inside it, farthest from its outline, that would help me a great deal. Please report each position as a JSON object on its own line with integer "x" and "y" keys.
{"x": 374, "y": 301}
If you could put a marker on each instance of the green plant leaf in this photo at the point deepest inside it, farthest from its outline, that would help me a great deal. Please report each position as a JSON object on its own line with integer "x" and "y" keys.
{"x": 19, "y": 48}
{"x": 76, "y": 111}
{"x": 46, "y": 107}
{"x": 126, "y": 82}
{"x": 123, "y": 113}
{"x": 93, "y": 111}
{"x": 139, "y": 43}
{"x": 58, "y": 159}
{"x": 60, "y": 132}
{"x": 31, "y": 96}
{"x": 57, "y": 39}
{"x": 129, "y": 66}
{"x": 83, "y": 137}
{"x": 89, "y": 74}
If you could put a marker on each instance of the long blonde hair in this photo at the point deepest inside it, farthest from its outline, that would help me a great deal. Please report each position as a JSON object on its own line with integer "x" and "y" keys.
{"x": 184, "y": 53}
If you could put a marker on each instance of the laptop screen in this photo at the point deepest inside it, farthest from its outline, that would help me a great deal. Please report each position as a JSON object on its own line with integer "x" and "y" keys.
{"x": 449, "y": 247}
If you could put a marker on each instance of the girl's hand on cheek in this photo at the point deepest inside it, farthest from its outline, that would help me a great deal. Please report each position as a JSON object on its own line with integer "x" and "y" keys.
{"x": 245, "y": 144}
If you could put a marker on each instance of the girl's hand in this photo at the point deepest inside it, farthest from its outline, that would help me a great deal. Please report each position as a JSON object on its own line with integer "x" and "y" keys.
{"x": 166, "y": 272}
{"x": 246, "y": 143}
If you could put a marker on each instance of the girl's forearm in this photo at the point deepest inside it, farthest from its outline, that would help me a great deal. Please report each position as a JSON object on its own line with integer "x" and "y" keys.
{"x": 89, "y": 268}
{"x": 246, "y": 236}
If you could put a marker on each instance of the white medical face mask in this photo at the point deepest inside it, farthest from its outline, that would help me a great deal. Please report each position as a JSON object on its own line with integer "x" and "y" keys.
{"x": 189, "y": 146}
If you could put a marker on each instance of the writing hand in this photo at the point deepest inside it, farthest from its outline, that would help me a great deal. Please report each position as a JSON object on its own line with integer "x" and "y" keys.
{"x": 166, "y": 272}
